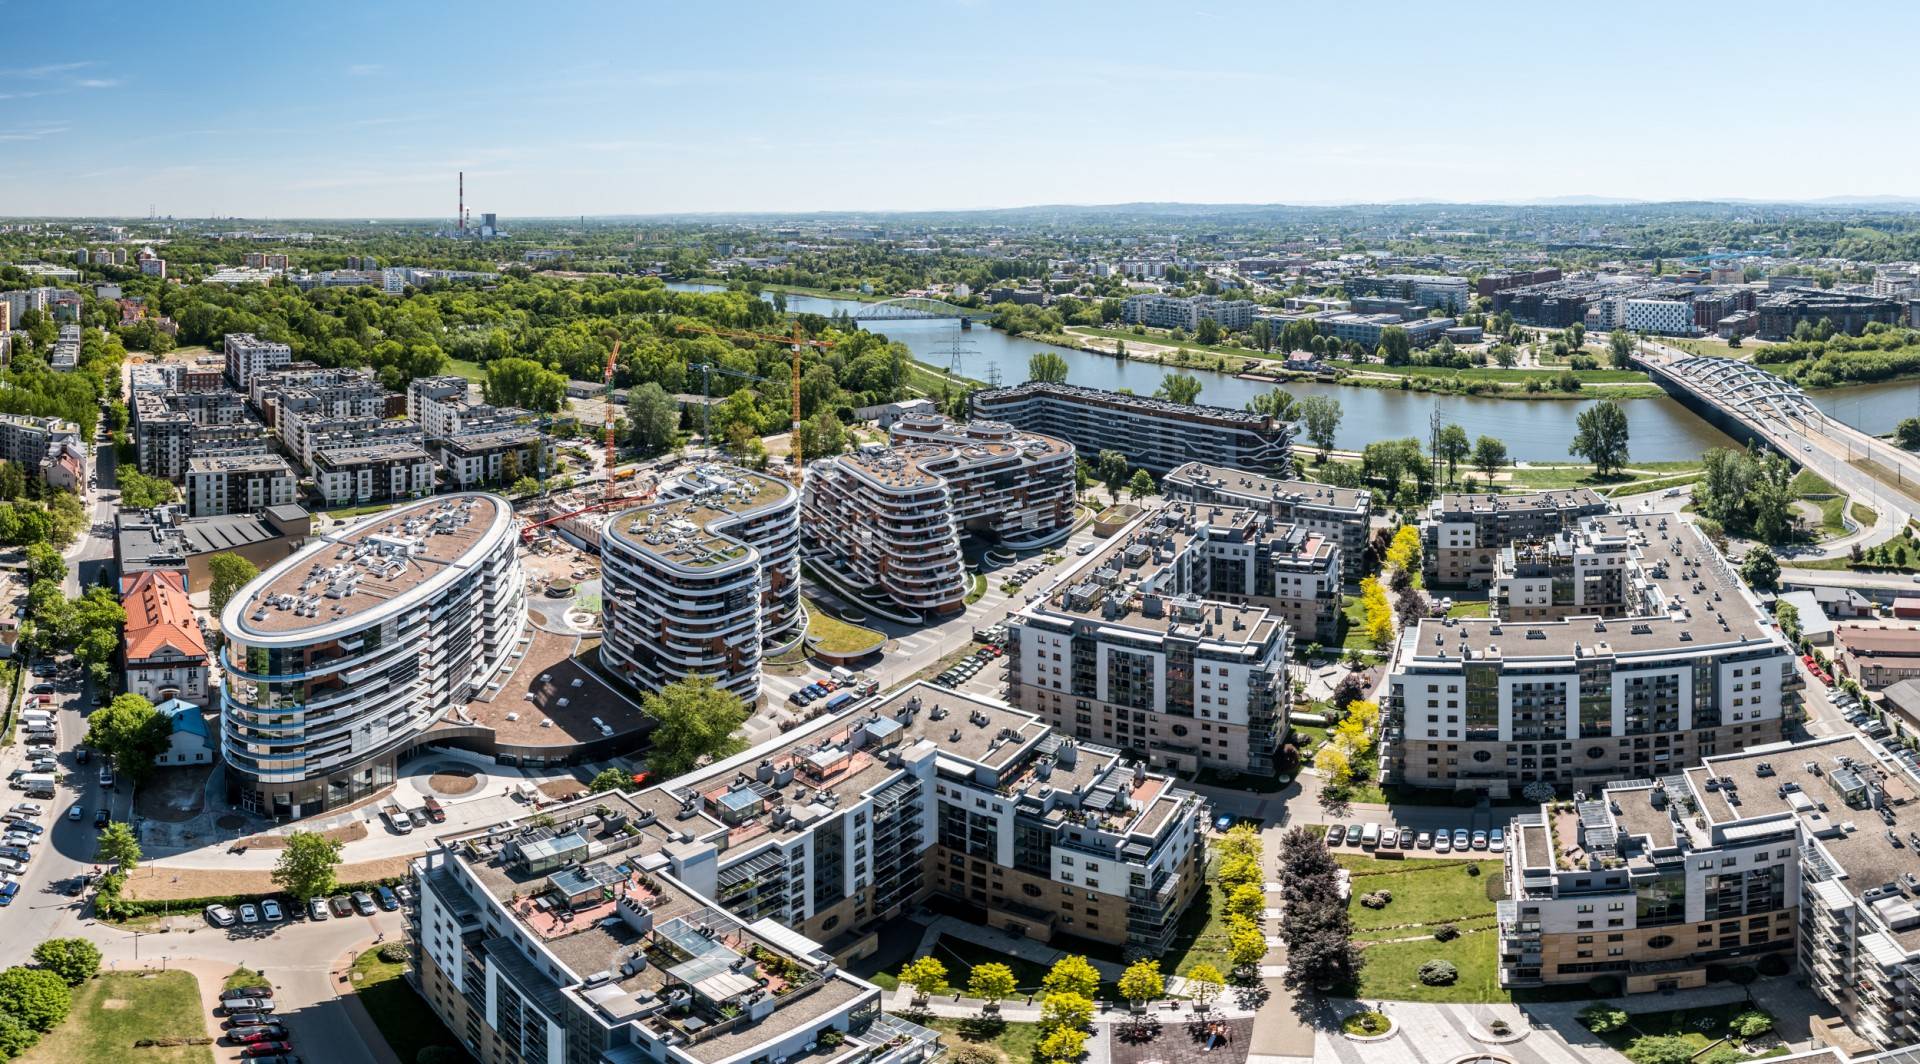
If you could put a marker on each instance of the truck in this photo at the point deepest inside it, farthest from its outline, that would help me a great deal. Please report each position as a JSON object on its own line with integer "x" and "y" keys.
{"x": 398, "y": 819}
{"x": 37, "y": 784}
{"x": 434, "y": 810}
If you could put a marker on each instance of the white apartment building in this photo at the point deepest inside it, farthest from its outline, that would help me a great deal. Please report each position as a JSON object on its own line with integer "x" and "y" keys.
{"x": 340, "y": 656}
{"x": 1340, "y": 514}
{"x": 351, "y": 473}
{"x": 1691, "y": 669}
{"x": 239, "y": 484}
{"x": 1661, "y": 317}
{"x": 889, "y": 519}
{"x": 1580, "y": 573}
{"x": 1171, "y": 640}
{"x": 248, "y": 355}
{"x": 1462, "y": 535}
{"x": 1176, "y": 312}
{"x": 702, "y": 581}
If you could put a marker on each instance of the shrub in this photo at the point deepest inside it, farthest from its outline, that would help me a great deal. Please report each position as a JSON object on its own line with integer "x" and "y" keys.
{"x": 1473, "y": 868}
{"x": 1601, "y": 1018}
{"x": 1722, "y": 1054}
{"x": 1446, "y": 933}
{"x": 393, "y": 953}
{"x": 1377, "y": 899}
{"x": 1660, "y": 1049}
{"x": 1438, "y": 973}
{"x": 1752, "y": 1023}
{"x": 1500, "y": 1028}
{"x": 971, "y": 1054}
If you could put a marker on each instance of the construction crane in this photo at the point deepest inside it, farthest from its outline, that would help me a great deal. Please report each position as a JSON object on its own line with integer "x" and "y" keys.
{"x": 613, "y": 356}
{"x": 796, "y": 341}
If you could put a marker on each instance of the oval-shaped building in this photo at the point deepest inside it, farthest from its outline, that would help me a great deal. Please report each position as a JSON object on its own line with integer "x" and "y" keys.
{"x": 339, "y": 657}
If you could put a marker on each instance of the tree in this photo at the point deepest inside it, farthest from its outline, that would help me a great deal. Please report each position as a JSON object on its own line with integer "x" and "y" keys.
{"x": 1749, "y": 493}
{"x": 823, "y": 436}
{"x": 1660, "y": 1049}
{"x": 1141, "y": 485}
{"x": 1452, "y": 447}
{"x": 13, "y": 481}
{"x": 1111, "y": 468}
{"x": 1761, "y": 569}
{"x": 1142, "y": 982}
{"x": 1248, "y": 900}
{"x": 1178, "y": 388}
{"x": 1788, "y": 616}
{"x": 139, "y": 491}
{"x": 1064, "y": 1008}
{"x": 1072, "y": 974}
{"x": 74, "y": 959}
{"x": 1395, "y": 347}
{"x": 1907, "y": 432}
{"x": 1620, "y": 348}
{"x": 524, "y": 486}
{"x": 1062, "y": 1045}
{"x": 1321, "y": 415}
{"x": 15, "y": 1037}
{"x": 132, "y": 732}
{"x": 1404, "y": 552}
{"x": 1601, "y": 1017}
{"x": 1047, "y": 367}
{"x": 991, "y": 983}
{"x": 653, "y": 419}
{"x": 1203, "y": 984}
{"x": 40, "y": 998}
{"x": 45, "y": 563}
{"x": 1209, "y": 332}
{"x": 1277, "y": 404}
{"x": 612, "y": 779}
{"x": 926, "y": 975}
{"x": 1602, "y": 438}
{"x": 307, "y": 864}
{"x": 227, "y": 573}
{"x": 1246, "y": 943}
{"x": 694, "y": 721}
{"x": 117, "y": 845}
{"x": 526, "y": 383}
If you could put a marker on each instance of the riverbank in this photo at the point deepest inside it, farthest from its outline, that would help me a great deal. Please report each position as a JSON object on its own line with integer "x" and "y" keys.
{"x": 854, "y": 295}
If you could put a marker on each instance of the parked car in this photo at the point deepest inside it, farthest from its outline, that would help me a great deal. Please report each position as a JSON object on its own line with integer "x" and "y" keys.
{"x": 1497, "y": 841}
{"x": 239, "y": 992}
{"x": 1442, "y": 842}
{"x": 8, "y": 864}
{"x": 248, "y": 1004}
{"x": 261, "y": 1033}
{"x": 106, "y": 776}
{"x": 1406, "y": 838}
{"x": 220, "y": 915}
{"x": 270, "y": 910}
{"x": 1389, "y": 838}
{"x": 404, "y": 892}
{"x": 243, "y": 1022}
{"x": 316, "y": 908}
{"x": 387, "y": 899}
{"x": 101, "y": 817}
{"x": 15, "y": 853}
{"x": 1336, "y": 834}
{"x": 82, "y": 755}
{"x": 363, "y": 903}
{"x": 1479, "y": 840}
{"x": 341, "y": 905}
{"x": 76, "y": 811}
{"x": 1461, "y": 840}
{"x": 1426, "y": 841}
{"x": 266, "y": 1049}
{"x": 28, "y": 809}
{"x": 249, "y": 914}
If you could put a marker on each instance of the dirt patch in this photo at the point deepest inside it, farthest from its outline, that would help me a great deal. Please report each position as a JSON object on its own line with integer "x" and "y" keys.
{"x": 113, "y": 1003}
{"x": 149, "y": 883}
{"x": 454, "y": 781}
{"x": 561, "y": 788}
{"x": 353, "y": 832}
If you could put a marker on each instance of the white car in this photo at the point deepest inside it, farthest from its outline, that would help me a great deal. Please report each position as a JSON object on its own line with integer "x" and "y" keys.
{"x": 270, "y": 909}
{"x": 1671, "y": 493}
{"x": 74, "y": 812}
{"x": 28, "y": 809}
{"x": 8, "y": 864}
{"x": 220, "y": 915}
{"x": 1085, "y": 548}
{"x": 1389, "y": 838}
{"x": 249, "y": 914}
{"x": 19, "y": 838}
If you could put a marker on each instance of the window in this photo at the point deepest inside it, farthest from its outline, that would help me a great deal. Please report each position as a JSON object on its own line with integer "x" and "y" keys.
{"x": 1660, "y": 942}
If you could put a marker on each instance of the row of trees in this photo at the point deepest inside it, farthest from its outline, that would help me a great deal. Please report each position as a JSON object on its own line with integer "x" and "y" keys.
{"x": 1318, "y": 930}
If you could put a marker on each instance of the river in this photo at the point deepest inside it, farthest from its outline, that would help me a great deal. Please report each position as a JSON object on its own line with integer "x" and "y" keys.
{"x": 1535, "y": 430}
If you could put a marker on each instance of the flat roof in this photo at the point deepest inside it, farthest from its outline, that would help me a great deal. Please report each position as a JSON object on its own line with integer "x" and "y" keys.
{"x": 1240, "y": 483}
{"x": 686, "y": 529}
{"x": 527, "y": 707}
{"x": 377, "y": 563}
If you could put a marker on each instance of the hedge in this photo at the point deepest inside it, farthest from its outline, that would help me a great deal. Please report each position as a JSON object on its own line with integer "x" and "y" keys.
{"x": 108, "y": 905}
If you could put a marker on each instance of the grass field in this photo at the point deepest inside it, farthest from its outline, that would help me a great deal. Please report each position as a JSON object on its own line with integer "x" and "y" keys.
{"x": 1498, "y": 375}
{"x": 404, "y": 1020}
{"x": 1649, "y": 475}
{"x": 114, "y": 1010}
{"x": 1699, "y": 1027}
{"x": 1013, "y": 1042}
{"x": 1353, "y": 625}
{"x": 836, "y": 636}
{"x": 472, "y": 371}
{"x": 1426, "y": 894}
{"x": 1478, "y": 608}
{"x": 244, "y": 977}
{"x": 1202, "y": 935}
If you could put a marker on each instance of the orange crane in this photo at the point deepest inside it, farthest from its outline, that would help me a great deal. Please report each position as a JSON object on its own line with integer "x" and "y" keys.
{"x": 613, "y": 356}
{"x": 796, "y": 342}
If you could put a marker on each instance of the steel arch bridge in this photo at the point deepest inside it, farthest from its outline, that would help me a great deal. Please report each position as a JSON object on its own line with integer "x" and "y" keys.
{"x": 916, "y": 308}
{"x": 1748, "y": 389}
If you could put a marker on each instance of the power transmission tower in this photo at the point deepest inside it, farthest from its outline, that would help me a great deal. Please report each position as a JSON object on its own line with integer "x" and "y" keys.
{"x": 1433, "y": 448}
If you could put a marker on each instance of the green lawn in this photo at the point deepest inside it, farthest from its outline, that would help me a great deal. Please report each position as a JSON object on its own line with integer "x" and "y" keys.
{"x": 1353, "y": 625}
{"x": 1163, "y": 339}
{"x": 1833, "y": 519}
{"x": 833, "y": 635}
{"x": 348, "y": 513}
{"x": 1652, "y": 474}
{"x": 1864, "y": 515}
{"x": 1014, "y": 1042}
{"x": 1426, "y": 894}
{"x": 1701, "y": 1027}
{"x": 961, "y": 957}
{"x": 1475, "y": 608}
{"x": 114, "y": 1010}
{"x": 1497, "y": 374}
{"x": 1807, "y": 482}
{"x": 1202, "y": 935}
{"x": 472, "y": 371}
{"x": 976, "y": 588}
{"x": 245, "y": 977}
{"x": 406, "y": 1022}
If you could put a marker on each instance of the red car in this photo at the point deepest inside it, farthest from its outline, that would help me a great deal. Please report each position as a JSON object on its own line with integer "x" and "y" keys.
{"x": 267, "y": 1049}
{"x": 270, "y": 1036}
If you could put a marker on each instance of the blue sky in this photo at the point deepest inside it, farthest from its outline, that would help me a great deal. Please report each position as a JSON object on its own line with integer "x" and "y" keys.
{"x": 352, "y": 109}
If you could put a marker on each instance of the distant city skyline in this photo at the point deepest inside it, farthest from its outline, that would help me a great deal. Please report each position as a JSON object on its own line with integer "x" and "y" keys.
{"x": 614, "y": 109}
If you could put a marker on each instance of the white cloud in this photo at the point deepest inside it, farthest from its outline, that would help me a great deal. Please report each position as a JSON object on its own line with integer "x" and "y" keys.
{"x": 97, "y": 83}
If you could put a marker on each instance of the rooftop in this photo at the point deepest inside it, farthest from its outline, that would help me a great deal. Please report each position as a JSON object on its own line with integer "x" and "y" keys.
{"x": 686, "y": 529}
{"x": 1142, "y": 403}
{"x": 339, "y": 576}
{"x": 549, "y": 699}
{"x": 1241, "y": 483}
{"x": 1879, "y": 642}
{"x": 1460, "y": 503}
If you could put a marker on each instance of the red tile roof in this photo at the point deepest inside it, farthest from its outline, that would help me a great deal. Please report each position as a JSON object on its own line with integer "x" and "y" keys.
{"x": 159, "y": 615}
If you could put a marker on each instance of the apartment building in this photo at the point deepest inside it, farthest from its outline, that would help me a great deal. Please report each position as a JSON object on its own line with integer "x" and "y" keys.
{"x": 1490, "y": 283}
{"x": 1462, "y": 535}
{"x": 1691, "y": 669}
{"x": 351, "y": 473}
{"x": 1583, "y": 572}
{"x": 66, "y": 349}
{"x": 888, "y": 520}
{"x": 443, "y": 406}
{"x": 308, "y": 409}
{"x": 172, "y": 427}
{"x": 1339, "y": 514}
{"x": 248, "y": 355}
{"x": 1781, "y": 313}
{"x": 1654, "y": 880}
{"x": 1154, "y": 434}
{"x": 49, "y": 448}
{"x": 1171, "y": 641}
{"x": 1439, "y": 291}
{"x": 239, "y": 484}
{"x": 164, "y": 651}
{"x": 499, "y": 454}
{"x": 1178, "y": 312}
{"x": 1367, "y": 330}
{"x": 339, "y": 657}
{"x": 1661, "y": 317}
{"x": 702, "y": 581}
{"x": 580, "y": 935}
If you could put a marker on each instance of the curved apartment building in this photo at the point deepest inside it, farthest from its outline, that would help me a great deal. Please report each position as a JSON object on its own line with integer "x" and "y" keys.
{"x": 339, "y": 657}
{"x": 701, "y": 581}
{"x": 887, "y": 520}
